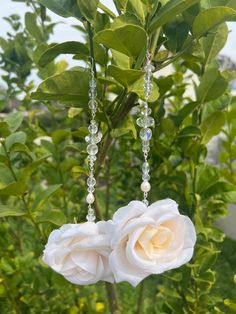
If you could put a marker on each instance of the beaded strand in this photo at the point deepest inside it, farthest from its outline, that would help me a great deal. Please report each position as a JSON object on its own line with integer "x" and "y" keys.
{"x": 145, "y": 122}
{"x": 93, "y": 138}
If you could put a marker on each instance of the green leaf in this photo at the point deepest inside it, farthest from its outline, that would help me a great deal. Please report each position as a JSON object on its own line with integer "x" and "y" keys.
{"x": 18, "y": 137}
{"x": 88, "y": 8}
{"x": 207, "y": 261}
{"x": 55, "y": 216}
{"x": 43, "y": 196}
{"x": 206, "y": 20}
{"x": 6, "y": 211}
{"x": 231, "y": 305}
{"x": 124, "y": 19}
{"x": 64, "y": 8}
{"x": 29, "y": 169}
{"x": 120, "y": 59}
{"x": 106, "y": 10}
{"x": 4, "y": 129}
{"x": 73, "y": 112}
{"x": 69, "y": 47}
{"x": 212, "y": 85}
{"x": 176, "y": 34}
{"x": 19, "y": 147}
{"x": 32, "y": 27}
{"x": 77, "y": 171}
{"x": 184, "y": 113}
{"x": 70, "y": 87}
{"x": 137, "y": 8}
{"x": 14, "y": 120}
{"x": 15, "y": 188}
{"x": 207, "y": 175}
{"x": 59, "y": 136}
{"x": 129, "y": 39}
{"x": 123, "y": 76}
{"x": 218, "y": 188}
{"x": 102, "y": 22}
{"x": 189, "y": 131}
{"x": 214, "y": 42}
{"x": 212, "y": 126}
{"x": 169, "y": 11}
{"x": 6, "y": 176}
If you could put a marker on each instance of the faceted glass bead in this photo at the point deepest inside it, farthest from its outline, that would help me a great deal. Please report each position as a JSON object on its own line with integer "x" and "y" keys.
{"x": 92, "y": 158}
{"x": 145, "y": 167}
{"x": 146, "y": 177}
{"x": 92, "y": 149}
{"x": 91, "y": 181}
{"x": 145, "y": 149}
{"x": 93, "y": 104}
{"x": 90, "y": 217}
{"x": 149, "y": 67}
{"x": 93, "y": 128}
{"x": 97, "y": 138}
{"x": 93, "y": 138}
{"x": 92, "y": 83}
{"x": 93, "y": 93}
{"x": 90, "y": 189}
{"x": 145, "y": 122}
{"x": 145, "y": 134}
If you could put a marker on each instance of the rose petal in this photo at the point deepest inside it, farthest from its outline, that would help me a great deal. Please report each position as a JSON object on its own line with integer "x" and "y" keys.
{"x": 132, "y": 210}
{"x": 86, "y": 260}
{"x": 131, "y": 226}
{"x": 162, "y": 207}
{"x": 123, "y": 270}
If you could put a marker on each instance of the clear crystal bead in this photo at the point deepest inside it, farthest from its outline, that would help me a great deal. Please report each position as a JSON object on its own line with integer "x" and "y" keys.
{"x": 93, "y": 128}
{"x": 93, "y": 83}
{"x": 145, "y": 149}
{"x": 90, "y": 217}
{"x": 92, "y": 158}
{"x": 91, "y": 181}
{"x": 145, "y": 134}
{"x": 92, "y": 149}
{"x": 146, "y": 177}
{"x": 90, "y": 189}
{"x": 149, "y": 67}
{"x": 145, "y": 143}
{"x": 93, "y": 104}
{"x": 146, "y": 167}
{"x": 145, "y": 122}
{"x": 93, "y": 138}
{"x": 93, "y": 94}
{"x": 97, "y": 138}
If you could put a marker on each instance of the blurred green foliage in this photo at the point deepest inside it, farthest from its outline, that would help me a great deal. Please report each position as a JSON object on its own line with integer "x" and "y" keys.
{"x": 42, "y": 152}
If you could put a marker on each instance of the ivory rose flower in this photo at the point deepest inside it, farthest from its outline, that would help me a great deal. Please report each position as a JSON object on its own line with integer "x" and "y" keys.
{"x": 80, "y": 253}
{"x": 149, "y": 240}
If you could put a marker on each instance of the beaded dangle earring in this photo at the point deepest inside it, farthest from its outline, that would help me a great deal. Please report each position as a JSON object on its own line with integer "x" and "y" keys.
{"x": 80, "y": 252}
{"x": 149, "y": 239}
{"x": 92, "y": 139}
{"x": 145, "y": 122}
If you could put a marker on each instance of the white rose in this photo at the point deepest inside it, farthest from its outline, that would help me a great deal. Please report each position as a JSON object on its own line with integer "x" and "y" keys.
{"x": 149, "y": 240}
{"x": 80, "y": 253}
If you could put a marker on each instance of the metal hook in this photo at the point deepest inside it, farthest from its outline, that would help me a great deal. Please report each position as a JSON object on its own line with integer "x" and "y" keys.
{"x": 92, "y": 64}
{"x": 148, "y": 53}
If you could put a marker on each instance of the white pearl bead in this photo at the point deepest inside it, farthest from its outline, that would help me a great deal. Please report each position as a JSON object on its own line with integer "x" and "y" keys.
{"x": 90, "y": 198}
{"x": 145, "y": 186}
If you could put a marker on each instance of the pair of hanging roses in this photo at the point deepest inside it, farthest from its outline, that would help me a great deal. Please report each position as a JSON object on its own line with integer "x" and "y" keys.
{"x": 137, "y": 242}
